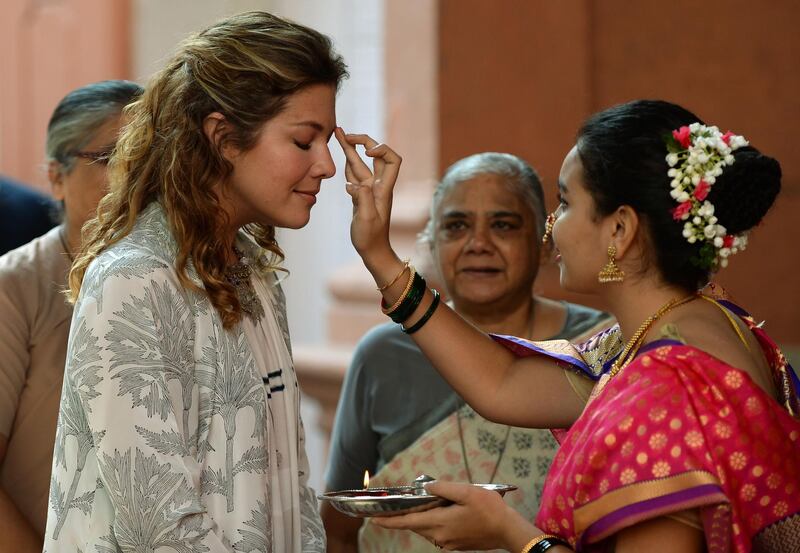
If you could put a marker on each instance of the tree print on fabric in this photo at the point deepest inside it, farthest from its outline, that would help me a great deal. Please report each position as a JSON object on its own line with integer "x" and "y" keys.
{"x": 313, "y": 532}
{"x": 152, "y": 371}
{"x": 150, "y": 500}
{"x": 258, "y": 532}
{"x": 79, "y": 388}
{"x": 152, "y": 337}
{"x": 118, "y": 263}
{"x": 231, "y": 386}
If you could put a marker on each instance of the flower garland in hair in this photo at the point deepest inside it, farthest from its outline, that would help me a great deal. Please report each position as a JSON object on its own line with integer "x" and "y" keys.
{"x": 697, "y": 156}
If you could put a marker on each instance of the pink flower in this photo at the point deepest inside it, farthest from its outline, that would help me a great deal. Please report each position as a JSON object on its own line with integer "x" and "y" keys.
{"x": 681, "y": 210}
{"x": 683, "y": 136}
{"x": 701, "y": 192}
{"x": 727, "y": 242}
{"x": 726, "y": 138}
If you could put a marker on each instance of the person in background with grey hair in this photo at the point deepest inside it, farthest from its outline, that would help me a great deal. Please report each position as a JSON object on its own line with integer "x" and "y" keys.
{"x": 397, "y": 418}
{"x": 35, "y": 315}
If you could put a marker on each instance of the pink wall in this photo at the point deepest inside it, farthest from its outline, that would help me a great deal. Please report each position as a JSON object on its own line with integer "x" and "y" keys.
{"x": 46, "y": 50}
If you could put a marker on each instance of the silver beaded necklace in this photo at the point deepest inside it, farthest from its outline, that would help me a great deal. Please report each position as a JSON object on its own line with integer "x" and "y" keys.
{"x": 239, "y": 276}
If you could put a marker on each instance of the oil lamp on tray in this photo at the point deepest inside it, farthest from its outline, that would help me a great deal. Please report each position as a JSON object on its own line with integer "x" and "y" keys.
{"x": 394, "y": 500}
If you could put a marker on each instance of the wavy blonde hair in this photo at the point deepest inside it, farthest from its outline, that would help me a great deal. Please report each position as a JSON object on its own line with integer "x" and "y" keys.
{"x": 245, "y": 67}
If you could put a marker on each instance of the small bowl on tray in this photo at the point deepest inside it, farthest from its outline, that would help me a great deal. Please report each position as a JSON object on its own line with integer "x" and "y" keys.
{"x": 395, "y": 500}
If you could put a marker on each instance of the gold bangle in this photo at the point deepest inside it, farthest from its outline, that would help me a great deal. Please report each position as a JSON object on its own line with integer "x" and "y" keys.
{"x": 403, "y": 270}
{"x": 531, "y": 544}
{"x": 396, "y": 304}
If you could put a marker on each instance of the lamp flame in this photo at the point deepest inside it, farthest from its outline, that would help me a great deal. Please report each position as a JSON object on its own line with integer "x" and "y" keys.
{"x": 366, "y": 479}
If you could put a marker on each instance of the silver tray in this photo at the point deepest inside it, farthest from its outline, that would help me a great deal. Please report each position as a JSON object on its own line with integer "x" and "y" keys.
{"x": 393, "y": 501}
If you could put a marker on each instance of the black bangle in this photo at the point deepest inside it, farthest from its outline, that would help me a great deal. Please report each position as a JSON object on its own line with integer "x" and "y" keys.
{"x": 411, "y": 301}
{"x": 547, "y": 543}
{"x": 424, "y": 319}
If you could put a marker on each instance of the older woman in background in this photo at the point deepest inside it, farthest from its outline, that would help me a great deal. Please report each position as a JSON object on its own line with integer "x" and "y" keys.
{"x": 397, "y": 417}
{"x": 35, "y": 322}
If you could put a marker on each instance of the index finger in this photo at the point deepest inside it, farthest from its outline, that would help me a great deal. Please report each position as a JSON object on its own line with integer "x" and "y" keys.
{"x": 369, "y": 143}
{"x": 357, "y": 165}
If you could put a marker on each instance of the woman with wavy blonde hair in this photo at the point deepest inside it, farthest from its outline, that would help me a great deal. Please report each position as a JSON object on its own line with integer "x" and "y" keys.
{"x": 179, "y": 426}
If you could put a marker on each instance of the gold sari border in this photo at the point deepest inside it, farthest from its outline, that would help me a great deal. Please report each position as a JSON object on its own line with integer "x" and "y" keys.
{"x": 610, "y": 502}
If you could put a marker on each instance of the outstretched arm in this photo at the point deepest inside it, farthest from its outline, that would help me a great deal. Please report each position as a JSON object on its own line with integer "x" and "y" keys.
{"x": 532, "y": 392}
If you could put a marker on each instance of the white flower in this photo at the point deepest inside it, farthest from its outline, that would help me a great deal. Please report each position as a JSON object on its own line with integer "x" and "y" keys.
{"x": 696, "y": 179}
{"x": 672, "y": 159}
{"x": 684, "y": 196}
{"x": 712, "y": 219}
{"x": 718, "y": 242}
{"x": 724, "y": 252}
{"x": 694, "y": 127}
{"x": 723, "y": 262}
{"x": 709, "y": 231}
{"x": 674, "y": 193}
{"x": 672, "y": 172}
{"x": 703, "y": 158}
{"x": 729, "y": 159}
{"x": 692, "y": 239}
{"x": 697, "y": 220}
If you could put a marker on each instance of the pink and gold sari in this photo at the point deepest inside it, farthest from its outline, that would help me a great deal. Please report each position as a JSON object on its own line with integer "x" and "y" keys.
{"x": 676, "y": 433}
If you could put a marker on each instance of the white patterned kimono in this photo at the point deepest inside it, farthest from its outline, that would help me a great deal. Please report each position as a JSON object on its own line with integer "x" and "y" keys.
{"x": 175, "y": 434}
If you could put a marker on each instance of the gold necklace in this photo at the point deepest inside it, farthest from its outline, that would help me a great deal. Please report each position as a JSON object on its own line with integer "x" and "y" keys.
{"x": 633, "y": 345}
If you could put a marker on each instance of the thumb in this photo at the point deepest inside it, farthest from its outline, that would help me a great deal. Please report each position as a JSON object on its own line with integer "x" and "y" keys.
{"x": 457, "y": 492}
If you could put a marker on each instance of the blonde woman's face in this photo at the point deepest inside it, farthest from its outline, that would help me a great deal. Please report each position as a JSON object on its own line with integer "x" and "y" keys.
{"x": 277, "y": 181}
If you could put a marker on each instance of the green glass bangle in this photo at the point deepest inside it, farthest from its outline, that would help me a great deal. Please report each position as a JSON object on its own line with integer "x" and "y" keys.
{"x": 411, "y": 301}
{"x": 424, "y": 319}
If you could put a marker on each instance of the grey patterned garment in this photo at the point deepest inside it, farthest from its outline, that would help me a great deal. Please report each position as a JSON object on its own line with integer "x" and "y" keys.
{"x": 166, "y": 439}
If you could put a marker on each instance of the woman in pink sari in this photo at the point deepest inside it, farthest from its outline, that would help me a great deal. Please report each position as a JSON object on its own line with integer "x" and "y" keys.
{"x": 690, "y": 442}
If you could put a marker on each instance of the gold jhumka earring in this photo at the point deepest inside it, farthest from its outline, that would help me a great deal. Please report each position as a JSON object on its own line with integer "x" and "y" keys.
{"x": 611, "y": 272}
{"x": 548, "y": 228}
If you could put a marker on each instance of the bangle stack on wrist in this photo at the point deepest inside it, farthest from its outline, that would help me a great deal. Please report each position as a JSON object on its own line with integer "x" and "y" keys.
{"x": 424, "y": 319}
{"x": 543, "y": 543}
{"x": 409, "y": 300}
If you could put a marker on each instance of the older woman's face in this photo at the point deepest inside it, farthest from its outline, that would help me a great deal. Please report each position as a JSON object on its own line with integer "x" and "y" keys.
{"x": 485, "y": 244}
{"x": 84, "y": 186}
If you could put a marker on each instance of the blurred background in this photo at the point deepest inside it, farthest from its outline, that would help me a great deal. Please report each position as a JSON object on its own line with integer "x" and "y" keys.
{"x": 438, "y": 80}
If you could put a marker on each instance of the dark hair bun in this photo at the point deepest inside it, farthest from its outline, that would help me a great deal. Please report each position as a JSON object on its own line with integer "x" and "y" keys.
{"x": 746, "y": 190}
{"x": 623, "y": 154}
